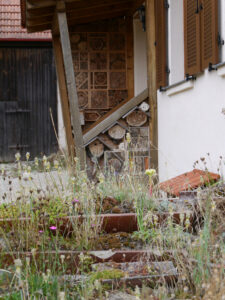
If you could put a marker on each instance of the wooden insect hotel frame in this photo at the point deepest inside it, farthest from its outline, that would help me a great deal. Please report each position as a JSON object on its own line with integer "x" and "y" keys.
{"x": 93, "y": 48}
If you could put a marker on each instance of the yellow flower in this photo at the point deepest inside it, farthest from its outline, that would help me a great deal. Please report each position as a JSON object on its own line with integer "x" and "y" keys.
{"x": 128, "y": 138}
{"x": 150, "y": 172}
{"x": 56, "y": 164}
{"x": 36, "y": 161}
{"x": 27, "y": 155}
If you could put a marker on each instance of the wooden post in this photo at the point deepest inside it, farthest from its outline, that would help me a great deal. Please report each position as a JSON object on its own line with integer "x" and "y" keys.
{"x": 63, "y": 94}
{"x": 152, "y": 84}
{"x": 71, "y": 84}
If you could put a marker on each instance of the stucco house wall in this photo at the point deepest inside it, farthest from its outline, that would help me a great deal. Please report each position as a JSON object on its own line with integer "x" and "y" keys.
{"x": 191, "y": 122}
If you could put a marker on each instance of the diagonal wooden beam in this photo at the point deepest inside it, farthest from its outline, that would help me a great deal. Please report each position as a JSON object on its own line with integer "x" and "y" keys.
{"x": 71, "y": 86}
{"x": 63, "y": 93}
{"x": 112, "y": 116}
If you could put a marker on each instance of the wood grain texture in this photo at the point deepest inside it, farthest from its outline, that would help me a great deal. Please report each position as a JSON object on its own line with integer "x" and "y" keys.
{"x": 71, "y": 87}
{"x": 63, "y": 94}
{"x": 152, "y": 82}
{"x": 115, "y": 114}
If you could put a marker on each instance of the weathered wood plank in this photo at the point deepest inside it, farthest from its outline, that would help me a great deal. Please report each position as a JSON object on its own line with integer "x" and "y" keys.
{"x": 115, "y": 114}
{"x": 152, "y": 84}
{"x": 63, "y": 93}
{"x": 71, "y": 87}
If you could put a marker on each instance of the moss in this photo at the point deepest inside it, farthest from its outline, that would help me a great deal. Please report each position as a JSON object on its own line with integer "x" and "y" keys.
{"x": 107, "y": 274}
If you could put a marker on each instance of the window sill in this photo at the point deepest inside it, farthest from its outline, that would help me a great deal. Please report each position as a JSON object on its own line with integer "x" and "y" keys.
{"x": 180, "y": 88}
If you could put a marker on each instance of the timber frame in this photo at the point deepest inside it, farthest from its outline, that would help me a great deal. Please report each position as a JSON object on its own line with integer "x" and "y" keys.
{"x": 58, "y": 16}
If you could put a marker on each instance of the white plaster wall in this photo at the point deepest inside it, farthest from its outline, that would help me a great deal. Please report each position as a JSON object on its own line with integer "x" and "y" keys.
{"x": 222, "y": 22}
{"x": 190, "y": 123}
{"x": 140, "y": 58}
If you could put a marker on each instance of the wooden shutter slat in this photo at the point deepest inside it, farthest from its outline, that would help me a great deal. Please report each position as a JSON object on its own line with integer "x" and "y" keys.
{"x": 160, "y": 13}
{"x": 209, "y": 32}
{"x": 191, "y": 38}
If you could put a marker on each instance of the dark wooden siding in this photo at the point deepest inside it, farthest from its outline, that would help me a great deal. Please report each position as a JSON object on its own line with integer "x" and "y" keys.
{"x": 27, "y": 92}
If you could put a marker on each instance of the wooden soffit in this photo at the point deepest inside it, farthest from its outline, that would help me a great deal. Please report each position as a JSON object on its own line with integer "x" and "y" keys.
{"x": 40, "y": 13}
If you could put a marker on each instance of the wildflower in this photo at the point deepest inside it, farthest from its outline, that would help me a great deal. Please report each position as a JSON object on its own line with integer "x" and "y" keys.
{"x": 187, "y": 223}
{"x": 213, "y": 206}
{"x": 44, "y": 160}
{"x": 97, "y": 284}
{"x": 17, "y": 156}
{"x": 26, "y": 176}
{"x": 27, "y": 156}
{"x": 28, "y": 261}
{"x": 181, "y": 218}
{"x": 52, "y": 227}
{"x": 101, "y": 178}
{"x": 62, "y": 257}
{"x": 73, "y": 180}
{"x": 36, "y": 161}
{"x": 3, "y": 170}
{"x": 150, "y": 172}
{"x": 75, "y": 201}
{"x": 48, "y": 165}
{"x": 33, "y": 251}
{"x": 45, "y": 277}
{"x": 128, "y": 138}
{"x": 62, "y": 296}
{"x": 41, "y": 231}
{"x": 18, "y": 262}
{"x": 92, "y": 225}
{"x": 137, "y": 292}
{"x": 185, "y": 289}
{"x": 56, "y": 164}
{"x": 155, "y": 218}
{"x": 18, "y": 265}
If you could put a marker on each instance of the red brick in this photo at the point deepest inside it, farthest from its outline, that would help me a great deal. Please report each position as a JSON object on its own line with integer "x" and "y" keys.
{"x": 188, "y": 181}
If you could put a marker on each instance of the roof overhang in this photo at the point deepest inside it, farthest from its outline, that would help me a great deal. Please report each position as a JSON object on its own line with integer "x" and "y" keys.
{"x": 38, "y": 15}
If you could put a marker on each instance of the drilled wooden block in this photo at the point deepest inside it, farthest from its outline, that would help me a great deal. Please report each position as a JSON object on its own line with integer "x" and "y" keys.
{"x": 82, "y": 99}
{"x": 117, "y": 61}
{"x": 81, "y": 79}
{"x": 79, "y": 41}
{"x": 117, "y": 41}
{"x": 98, "y": 99}
{"x": 91, "y": 116}
{"x": 98, "y": 61}
{"x": 97, "y": 42}
{"x": 117, "y": 80}
{"x": 117, "y": 96}
{"x": 100, "y": 79}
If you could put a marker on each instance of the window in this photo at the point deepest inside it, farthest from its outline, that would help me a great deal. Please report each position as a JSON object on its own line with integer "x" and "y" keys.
{"x": 200, "y": 34}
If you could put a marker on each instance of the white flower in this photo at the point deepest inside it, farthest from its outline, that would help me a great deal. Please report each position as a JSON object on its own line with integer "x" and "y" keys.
{"x": 17, "y": 156}
{"x": 62, "y": 257}
{"x": 62, "y": 296}
{"x": 26, "y": 176}
{"x": 18, "y": 262}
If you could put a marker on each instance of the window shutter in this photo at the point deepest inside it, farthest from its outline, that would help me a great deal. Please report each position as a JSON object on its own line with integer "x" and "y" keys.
{"x": 160, "y": 14}
{"x": 209, "y": 32}
{"x": 191, "y": 37}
